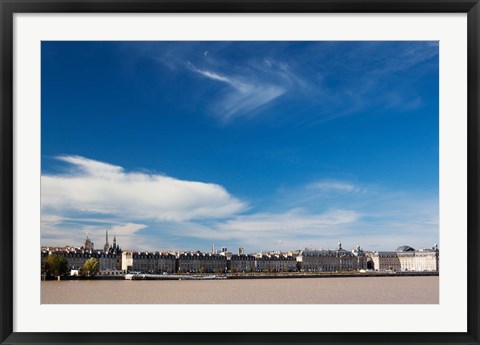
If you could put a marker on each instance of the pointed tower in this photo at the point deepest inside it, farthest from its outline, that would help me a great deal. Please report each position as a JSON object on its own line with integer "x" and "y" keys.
{"x": 114, "y": 247}
{"x": 105, "y": 247}
{"x": 88, "y": 243}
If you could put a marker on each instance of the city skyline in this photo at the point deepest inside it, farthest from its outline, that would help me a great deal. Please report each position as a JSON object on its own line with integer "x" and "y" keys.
{"x": 261, "y": 145}
{"x": 99, "y": 245}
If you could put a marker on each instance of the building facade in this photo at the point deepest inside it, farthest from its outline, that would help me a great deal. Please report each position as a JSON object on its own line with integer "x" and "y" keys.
{"x": 406, "y": 258}
{"x": 385, "y": 261}
{"x": 331, "y": 260}
{"x": 201, "y": 262}
{"x": 148, "y": 262}
{"x": 242, "y": 263}
{"x": 275, "y": 263}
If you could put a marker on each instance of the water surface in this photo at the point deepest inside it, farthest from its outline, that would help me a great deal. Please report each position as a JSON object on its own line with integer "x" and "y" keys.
{"x": 367, "y": 290}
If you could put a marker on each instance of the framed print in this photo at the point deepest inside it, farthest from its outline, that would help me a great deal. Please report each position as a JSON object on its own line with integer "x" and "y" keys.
{"x": 239, "y": 172}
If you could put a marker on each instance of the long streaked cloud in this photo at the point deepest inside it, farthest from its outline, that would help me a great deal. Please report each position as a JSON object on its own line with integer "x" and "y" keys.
{"x": 335, "y": 187}
{"x": 293, "y": 221}
{"x": 323, "y": 193}
{"x": 245, "y": 95}
{"x": 96, "y": 187}
{"x": 236, "y": 84}
{"x": 262, "y": 227}
{"x": 299, "y": 228}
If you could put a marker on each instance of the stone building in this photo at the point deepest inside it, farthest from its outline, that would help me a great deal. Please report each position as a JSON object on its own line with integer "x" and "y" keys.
{"x": 361, "y": 261}
{"x": 385, "y": 261}
{"x": 406, "y": 258}
{"x": 148, "y": 262}
{"x": 331, "y": 260}
{"x": 242, "y": 263}
{"x": 418, "y": 260}
{"x": 275, "y": 263}
{"x": 201, "y": 262}
{"x": 107, "y": 260}
{"x": 89, "y": 245}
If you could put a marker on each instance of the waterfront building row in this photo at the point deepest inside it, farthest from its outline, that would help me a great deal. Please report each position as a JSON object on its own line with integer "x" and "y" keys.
{"x": 198, "y": 262}
{"x": 404, "y": 258}
{"x": 112, "y": 258}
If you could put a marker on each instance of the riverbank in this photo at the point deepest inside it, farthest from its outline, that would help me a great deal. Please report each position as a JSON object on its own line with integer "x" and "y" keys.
{"x": 256, "y": 275}
{"x": 331, "y": 275}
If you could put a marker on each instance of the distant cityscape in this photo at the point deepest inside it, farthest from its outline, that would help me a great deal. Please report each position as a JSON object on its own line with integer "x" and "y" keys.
{"x": 113, "y": 261}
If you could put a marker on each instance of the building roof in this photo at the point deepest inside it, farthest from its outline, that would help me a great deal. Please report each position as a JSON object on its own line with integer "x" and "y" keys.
{"x": 404, "y": 249}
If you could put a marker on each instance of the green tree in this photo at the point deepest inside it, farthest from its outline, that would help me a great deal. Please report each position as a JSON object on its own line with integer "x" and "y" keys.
{"x": 90, "y": 268}
{"x": 55, "y": 265}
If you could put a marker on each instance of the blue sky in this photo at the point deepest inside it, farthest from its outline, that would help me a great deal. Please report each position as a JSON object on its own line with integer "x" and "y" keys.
{"x": 262, "y": 145}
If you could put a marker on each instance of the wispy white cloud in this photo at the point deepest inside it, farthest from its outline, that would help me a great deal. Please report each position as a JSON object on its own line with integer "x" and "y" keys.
{"x": 335, "y": 186}
{"x": 293, "y": 221}
{"x": 369, "y": 76}
{"x": 263, "y": 231}
{"x": 90, "y": 166}
{"x": 283, "y": 71}
{"x": 97, "y": 187}
{"x": 245, "y": 95}
{"x": 296, "y": 229}
{"x": 412, "y": 55}
{"x": 323, "y": 193}
{"x": 235, "y": 83}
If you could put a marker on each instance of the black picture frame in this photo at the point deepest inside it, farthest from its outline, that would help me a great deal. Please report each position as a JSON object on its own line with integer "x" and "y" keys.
{"x": 7, "y": 10}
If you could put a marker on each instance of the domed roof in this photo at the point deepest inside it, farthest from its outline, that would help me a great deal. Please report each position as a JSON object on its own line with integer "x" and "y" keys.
{"x": 404, "y": 249}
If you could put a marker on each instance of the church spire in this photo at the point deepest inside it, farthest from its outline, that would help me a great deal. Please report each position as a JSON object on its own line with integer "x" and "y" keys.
{"x": 105, "y": 247}
{"x": 88, "y": 243}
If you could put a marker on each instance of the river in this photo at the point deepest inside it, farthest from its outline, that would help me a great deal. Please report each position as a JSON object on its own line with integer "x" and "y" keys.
{"x": 363, "y": 290}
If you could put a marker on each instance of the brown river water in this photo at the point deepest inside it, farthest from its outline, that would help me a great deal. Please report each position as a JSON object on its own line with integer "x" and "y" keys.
{"x": 363, "y": 290}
